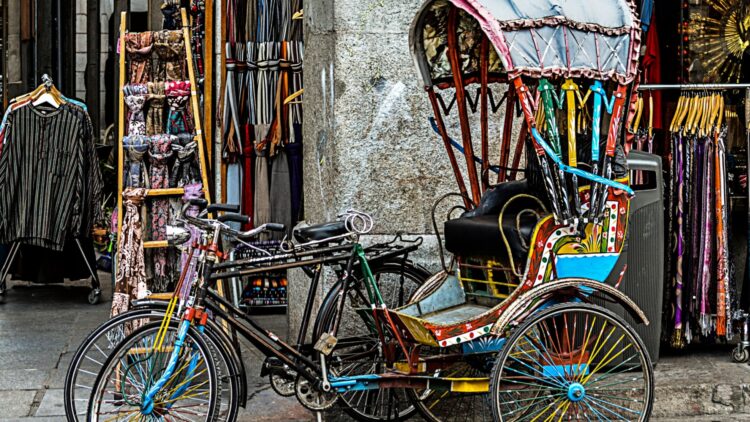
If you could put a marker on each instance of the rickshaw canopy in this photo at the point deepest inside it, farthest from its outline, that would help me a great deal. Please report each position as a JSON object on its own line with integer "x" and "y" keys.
{"x": 537, "y": 38}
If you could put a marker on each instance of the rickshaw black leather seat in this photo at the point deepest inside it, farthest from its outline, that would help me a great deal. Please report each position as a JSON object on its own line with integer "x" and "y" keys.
{"x": 480, "y": 236}
{"x": 320, "y": 231}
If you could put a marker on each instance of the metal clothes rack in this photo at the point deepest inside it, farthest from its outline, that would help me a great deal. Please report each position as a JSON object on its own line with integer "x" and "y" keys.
{"x": 740, "y": 315}
{"x": 96, "y": 291}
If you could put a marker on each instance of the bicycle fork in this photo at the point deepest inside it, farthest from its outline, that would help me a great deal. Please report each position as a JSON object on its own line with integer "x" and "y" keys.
{"x": 148, "y": 400}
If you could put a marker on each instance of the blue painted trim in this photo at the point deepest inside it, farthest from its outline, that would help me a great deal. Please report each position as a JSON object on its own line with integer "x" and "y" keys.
{"x": 596, "y": 120}
{"x": 560, "y": 371}
{"x": 148, "y": 399}
{"x": 576, "y": 171}
{"x": 456, "y": 145}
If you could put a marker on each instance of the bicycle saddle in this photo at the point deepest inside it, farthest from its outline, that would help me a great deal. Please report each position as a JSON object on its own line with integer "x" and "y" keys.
{"x": 320, "y": 231}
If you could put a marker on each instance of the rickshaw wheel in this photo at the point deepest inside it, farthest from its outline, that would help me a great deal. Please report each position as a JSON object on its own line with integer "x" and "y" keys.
{"x": 573, "y": 361}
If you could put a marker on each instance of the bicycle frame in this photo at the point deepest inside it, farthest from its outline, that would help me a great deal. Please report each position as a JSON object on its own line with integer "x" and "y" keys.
{"x": 265, "y": 341}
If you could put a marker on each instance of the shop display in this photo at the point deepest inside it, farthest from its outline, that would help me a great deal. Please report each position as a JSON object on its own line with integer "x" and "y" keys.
{"x": 50, "y": 188}
{"x": 161, "y": 155}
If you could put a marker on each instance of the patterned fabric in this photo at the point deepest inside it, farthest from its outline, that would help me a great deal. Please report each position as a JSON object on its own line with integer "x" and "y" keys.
{"x": 130, "y": 279}
{"x": 193, "y": 191}
{"x": 135, "y": 147}
{"x": 160, "y": 150}
{"x": 135, "y": 98}
{"x": 178, "y": 120}
{"x": 170, "y": 47}
{"x": 198, "y": 11}
{"x": 139, "y": 46}
{"x": 155, "y": 114}
{"x": 185, "y": 170}
{"x": 171, "y": 11}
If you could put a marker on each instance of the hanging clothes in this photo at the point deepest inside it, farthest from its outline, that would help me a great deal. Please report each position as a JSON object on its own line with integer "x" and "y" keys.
{"x": 130, "y": 278}
{"x": 160, "y": 151}
{"x": 156, "y": 101}
{"x": 56, "y": 146}
{"x": 134, "y": 173}
{"x": 139, "y": 47}
{"x": 178, "y": 119}
{"x": 192, "y": 191}
{"x": 171, "y": 11}
{"x": 186, "y": 169}
{"x": 135, "y": 98}
{"x": 170, "y": 50}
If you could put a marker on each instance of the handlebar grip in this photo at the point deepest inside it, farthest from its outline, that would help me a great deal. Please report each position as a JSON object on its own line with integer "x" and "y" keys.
{"x": 275, "y": 227}
{"x": 237, "y": 218}
{"x": 199, "y": 202}
{"x": 223, "y": 207}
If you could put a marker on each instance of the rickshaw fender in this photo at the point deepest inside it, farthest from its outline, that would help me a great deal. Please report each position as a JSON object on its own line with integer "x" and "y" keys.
{"x": 529, "y": 301}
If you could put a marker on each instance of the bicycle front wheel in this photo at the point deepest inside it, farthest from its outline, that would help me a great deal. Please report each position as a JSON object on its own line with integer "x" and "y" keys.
{"x": 191, "y": 392}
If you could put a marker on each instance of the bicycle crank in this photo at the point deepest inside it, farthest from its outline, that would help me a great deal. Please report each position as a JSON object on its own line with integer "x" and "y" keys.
{"x": 311, "y": 397}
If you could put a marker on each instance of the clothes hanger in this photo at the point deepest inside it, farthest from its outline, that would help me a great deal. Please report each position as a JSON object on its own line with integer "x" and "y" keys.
{"x": 677, "y": 112}
{"x": 650, "y": 119}
{"x": 638, "y": 111}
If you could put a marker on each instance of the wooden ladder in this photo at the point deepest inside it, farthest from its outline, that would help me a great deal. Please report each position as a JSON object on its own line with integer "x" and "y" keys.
{"x": 121, "y": 127}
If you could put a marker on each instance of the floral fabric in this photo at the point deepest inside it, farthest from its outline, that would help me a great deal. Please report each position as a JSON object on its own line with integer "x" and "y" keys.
{"x": 139, "y": 46}
{"x": 170, "y": 48}
{"x": 160, "y": 151}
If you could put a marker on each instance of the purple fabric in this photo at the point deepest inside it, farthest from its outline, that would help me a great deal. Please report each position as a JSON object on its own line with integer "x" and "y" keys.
{"x": 193, "y": 191}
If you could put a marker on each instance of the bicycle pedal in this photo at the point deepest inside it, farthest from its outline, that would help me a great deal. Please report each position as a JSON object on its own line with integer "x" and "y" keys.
{"x": 325, "y": 344}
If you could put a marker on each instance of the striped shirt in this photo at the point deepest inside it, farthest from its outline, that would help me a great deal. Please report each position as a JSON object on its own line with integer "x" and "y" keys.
{"x": 50, "y": 185}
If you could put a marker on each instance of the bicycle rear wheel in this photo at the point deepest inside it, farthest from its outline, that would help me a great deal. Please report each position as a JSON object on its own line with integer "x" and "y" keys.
{"x": 358, "y": 350}
{"x": 96, "y": 348}
{"x": 192, "y": 392}
{"x": 573, "y": 362}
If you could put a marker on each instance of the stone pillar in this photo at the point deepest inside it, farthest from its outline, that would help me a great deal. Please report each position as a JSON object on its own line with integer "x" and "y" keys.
{"x": 368, "y": 143}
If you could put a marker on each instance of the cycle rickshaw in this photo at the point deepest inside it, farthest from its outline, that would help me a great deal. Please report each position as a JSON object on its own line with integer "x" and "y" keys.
{"x": 515, "y": 326}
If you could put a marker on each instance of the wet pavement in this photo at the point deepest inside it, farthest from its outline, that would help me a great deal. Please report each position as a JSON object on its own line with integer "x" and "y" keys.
{"x": 42, "y": 325}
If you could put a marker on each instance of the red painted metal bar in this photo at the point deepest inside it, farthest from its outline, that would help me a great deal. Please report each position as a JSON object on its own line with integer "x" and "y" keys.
{"x": 510, "y": 104}
{"x": 483, "y": 115}
{"x": 519, "y": 150}
{"x": 463, "y": 116}
{"x": 448, "y": 148}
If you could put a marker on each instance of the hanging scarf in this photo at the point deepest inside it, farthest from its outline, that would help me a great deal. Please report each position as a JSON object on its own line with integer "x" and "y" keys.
{"x": 198, "y": 31}
{"x": 185, "y": 170}
{"x": 268, "y": 74}
{"x": 160, "y": 150}
{"x": 723, "y": 302}
{"x": 138, "y": 46}
{"x": 155, "y": 115}
{"x": 130, "y": 278}
{"x": 170, "y": 47}
{"x": 295, "y": 56}
{"x": 135, "y": 147}
{"x": 193, "y": 191}
{"x": 135, "y": 99}
{"x": 171, "y": 11}
{"x": 677, "y": 339}
{"x": 294, "y": 151}
{"x": 708, "y": 236}
{"x": 262, "y": 201}
{"x": 178, "y": 120}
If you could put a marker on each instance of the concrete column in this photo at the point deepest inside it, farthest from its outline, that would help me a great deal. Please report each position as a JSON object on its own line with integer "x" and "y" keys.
{"x": 368, "y": 140}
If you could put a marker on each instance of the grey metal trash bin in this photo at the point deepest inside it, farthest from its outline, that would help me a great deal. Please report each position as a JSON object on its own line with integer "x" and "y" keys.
{"x": 644, "y": 250}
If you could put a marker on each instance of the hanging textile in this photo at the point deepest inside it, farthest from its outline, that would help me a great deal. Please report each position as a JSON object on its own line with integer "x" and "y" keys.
{"x": 262, "y": 200}
{"x": 178, "y": 119}
{"x": 170, "y": 49}
{"x": 701, "y": 284}
{"x": 171, "y": 11}
{"x": 135, "y": 98}
{"x": 135, "y": 148}
{"x": 160, "y": 151}
{"x": 198, "y": 33}
{"x": 185, "y": 170}
{"x": 192, "y": 191}
{"x": 156, "y": 102}
{"x": 130, "y": 278}
{"x": 139, "y": 46}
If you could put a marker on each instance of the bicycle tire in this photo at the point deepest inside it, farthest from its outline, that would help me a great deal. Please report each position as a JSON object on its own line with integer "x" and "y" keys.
{"x": 603, "y": 401}
{"x": 135, "y": 357}
{"x": 352, "y": 402}
{"x": 154, "y": 311}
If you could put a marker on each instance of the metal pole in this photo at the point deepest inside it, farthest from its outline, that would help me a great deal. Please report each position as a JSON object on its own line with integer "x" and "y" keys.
{"x": 691, "y": 87}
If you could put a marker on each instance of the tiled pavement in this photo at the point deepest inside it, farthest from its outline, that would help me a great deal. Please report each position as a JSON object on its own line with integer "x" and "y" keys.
{"x": 41, "y": 326}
